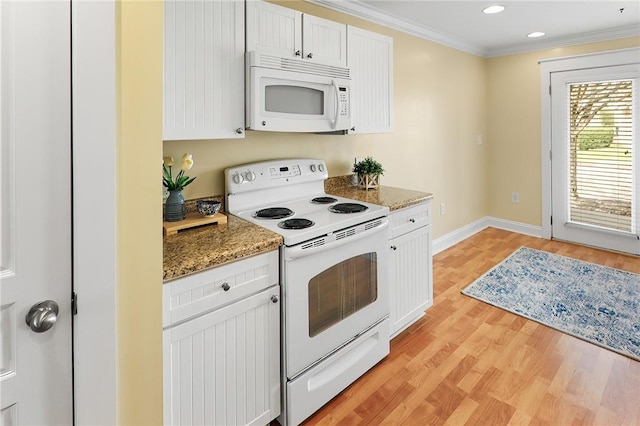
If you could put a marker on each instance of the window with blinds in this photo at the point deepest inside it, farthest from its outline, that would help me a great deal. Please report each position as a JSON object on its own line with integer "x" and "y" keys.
{"x": 601, "y": 161}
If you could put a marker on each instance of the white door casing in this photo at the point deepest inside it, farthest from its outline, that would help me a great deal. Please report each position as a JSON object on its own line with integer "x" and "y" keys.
{"x": 563, "y": 227}
{"x": 35, "y": 368}
{"x": 559, "y": 65}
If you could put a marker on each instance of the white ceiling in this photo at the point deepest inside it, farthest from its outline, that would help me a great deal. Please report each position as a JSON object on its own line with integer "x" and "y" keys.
{"x": 462, "y": 25}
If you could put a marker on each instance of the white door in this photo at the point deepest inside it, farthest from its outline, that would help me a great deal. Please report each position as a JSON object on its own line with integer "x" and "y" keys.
{"x": 594, "y": 167}
{"x": 35, "y": 214}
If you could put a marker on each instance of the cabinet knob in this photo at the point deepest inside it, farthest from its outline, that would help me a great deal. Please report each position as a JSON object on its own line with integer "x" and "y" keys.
{"x": 298, "y": 53}
{"x": 412, "y": 220}
{"x": 394, "y": 248}
{"x": 310, "y": 55}
{"x": 353, "y": 129}
{"x": 239, "y": 130}
{"x": 226, "y": 286}
{"x": 264, "y": 123}
{"x": 274, "y": 298}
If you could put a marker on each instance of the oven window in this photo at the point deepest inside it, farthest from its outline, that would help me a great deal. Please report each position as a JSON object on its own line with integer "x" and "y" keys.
{"x": 293, "y": 100}
{"x": 342, "y": 290}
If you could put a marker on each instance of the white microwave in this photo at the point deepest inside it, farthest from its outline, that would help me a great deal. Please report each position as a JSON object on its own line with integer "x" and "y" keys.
{"x": 290, "y": 95}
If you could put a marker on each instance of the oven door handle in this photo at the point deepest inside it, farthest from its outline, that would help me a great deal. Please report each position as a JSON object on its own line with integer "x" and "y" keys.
{"x": 298, "y": 251}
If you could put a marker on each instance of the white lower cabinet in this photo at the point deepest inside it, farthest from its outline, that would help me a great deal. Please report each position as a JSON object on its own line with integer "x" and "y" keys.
{"x": 222, "y": 367}
{"x": 411, "y": 291}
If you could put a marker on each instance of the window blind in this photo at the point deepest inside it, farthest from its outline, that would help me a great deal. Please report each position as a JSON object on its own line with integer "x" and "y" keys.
{"x": 601, "y": 161}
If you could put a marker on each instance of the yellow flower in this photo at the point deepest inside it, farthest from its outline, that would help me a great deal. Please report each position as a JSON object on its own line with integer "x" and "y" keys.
{"x": 187, "y": 162}
{"x": 168, "y": 161}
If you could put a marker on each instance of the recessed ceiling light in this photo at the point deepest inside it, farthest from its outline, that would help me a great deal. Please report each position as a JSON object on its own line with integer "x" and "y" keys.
{"x": 535, "y": 34}
{"x": 493, "y": 9}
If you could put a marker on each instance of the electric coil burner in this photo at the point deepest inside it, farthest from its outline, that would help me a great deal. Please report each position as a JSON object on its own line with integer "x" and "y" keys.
{"x": 324, "y": 200}
{"x": 334, "y": 277}
{"x": 348, "y": 208}
{"x": 296, "y": 223}
{"x": 273, "y": 213}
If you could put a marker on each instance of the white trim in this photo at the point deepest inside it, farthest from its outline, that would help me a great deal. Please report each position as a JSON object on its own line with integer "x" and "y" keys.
{"x": 369, "y": 13}
{"x": 461, "y": 234}
{"x": 94, "y": 224}
{"x": 372, "y": 14}
{"x": 570, "y": 63}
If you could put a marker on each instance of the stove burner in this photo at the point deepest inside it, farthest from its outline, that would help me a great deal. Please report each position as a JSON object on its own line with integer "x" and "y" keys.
{"x": 273, "y": 213}
{"x": 348, "y": 208}
{"x": 324, "y": 200}
{"x": 297, "y": 223}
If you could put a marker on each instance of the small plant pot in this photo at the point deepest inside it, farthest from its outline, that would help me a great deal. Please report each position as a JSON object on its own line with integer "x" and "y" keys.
{"x": 368, "y": 181}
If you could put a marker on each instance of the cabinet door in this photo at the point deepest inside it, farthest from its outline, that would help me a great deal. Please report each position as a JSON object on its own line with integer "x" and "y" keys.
{"x": 223, "y": 368}
{"x": 203, "y": 69}
{"x": 370, "y": 58}
{"x": 324, "y": 41}
{"x": 410, "y": 278}
{"x": 273, "y": 29}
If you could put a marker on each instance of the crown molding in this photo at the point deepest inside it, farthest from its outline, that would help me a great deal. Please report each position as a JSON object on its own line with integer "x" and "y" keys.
{"x": 550, "y": 43}
{"x": 363, "y": 11}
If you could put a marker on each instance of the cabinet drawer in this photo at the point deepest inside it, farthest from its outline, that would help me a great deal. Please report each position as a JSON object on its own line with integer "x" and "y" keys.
{"x": 205, "y": 291}
{"x": 410, "y": 218}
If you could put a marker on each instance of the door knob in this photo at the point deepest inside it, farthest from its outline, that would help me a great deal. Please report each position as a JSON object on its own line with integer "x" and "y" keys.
{"x": 42, "y": 316}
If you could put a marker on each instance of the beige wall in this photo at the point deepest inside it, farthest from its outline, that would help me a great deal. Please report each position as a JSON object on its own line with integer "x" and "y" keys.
{"x": 139, "y": 214}
{"x": 514, "y": 150}
{"x": 443, "y": 100}
{"x": 439, "y": 106}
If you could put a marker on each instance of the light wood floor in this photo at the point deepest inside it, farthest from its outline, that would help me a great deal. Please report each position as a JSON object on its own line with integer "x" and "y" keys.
{"x": 466, "y": 362}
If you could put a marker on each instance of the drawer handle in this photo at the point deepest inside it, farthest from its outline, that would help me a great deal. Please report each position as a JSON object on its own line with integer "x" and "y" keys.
{"x": 226, "y": 286}
{"x": 394, "y": 248}
{"x": 412, "y": 220}
{"x": 274, "y": 298}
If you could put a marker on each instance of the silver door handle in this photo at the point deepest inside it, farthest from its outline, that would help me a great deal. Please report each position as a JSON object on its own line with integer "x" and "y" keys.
{"x": 42, "y": 316}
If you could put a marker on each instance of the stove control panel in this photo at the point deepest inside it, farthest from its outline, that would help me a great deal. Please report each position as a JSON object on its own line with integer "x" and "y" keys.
{"x": 274, "y": 174}
{"x": 284, "y": 171}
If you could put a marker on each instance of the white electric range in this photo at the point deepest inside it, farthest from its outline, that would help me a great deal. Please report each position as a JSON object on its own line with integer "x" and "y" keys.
{"x": 334, "y": 276}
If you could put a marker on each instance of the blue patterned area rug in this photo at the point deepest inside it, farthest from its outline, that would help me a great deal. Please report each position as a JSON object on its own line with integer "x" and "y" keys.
{"x": 596, "y": 303}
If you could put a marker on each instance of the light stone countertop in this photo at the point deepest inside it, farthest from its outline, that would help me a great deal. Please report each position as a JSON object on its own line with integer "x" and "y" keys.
{"x": 197, "y": 249}
{"x": 394, "y": 198}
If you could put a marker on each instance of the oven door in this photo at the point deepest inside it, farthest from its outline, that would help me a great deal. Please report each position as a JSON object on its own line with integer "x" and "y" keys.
{"x": 287, "y": 101}
{"x": 333, "y": 294}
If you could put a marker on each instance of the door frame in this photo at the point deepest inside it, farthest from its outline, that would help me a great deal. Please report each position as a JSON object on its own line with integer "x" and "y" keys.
{"x": 94, "y": 143}
{"x": 567, "y": 63}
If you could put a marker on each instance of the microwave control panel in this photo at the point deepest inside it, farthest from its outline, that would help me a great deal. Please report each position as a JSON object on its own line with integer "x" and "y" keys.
{"x": 343, "y": 98}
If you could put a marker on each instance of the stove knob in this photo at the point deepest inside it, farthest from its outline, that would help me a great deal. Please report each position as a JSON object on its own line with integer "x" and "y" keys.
{"x": 313, "y": 168}
{"x": 321, "y": 167}
{"x": 250, "y": 176}
{"x": 237, "y": 178}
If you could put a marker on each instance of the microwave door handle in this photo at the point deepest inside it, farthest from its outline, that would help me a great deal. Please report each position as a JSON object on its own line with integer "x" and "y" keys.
{"x": 337, "y": 105}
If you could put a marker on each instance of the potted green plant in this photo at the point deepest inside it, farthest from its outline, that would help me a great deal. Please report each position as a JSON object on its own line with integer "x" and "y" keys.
{"x": 369, "y": 172}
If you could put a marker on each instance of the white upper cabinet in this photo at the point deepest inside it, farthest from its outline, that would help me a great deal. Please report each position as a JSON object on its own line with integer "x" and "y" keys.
{"x": 287, "y": 33}
{"x": 324, "y": 41}
{"x": 203, "y": 69}
{"x": 273, "y": 29}
{"x": 370, "y": 59}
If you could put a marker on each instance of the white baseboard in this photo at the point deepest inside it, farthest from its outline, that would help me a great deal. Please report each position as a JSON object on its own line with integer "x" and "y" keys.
{"x": 460, "y": 234}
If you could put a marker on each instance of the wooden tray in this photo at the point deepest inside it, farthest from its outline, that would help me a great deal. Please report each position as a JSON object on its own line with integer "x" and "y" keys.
{"x": 192, "y": 220}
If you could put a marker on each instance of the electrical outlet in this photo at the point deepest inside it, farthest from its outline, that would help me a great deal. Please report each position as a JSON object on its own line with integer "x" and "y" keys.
{"x": 442, "y": 209}
{"x": 515, "y": 197}
{"x": 479, "y": 139}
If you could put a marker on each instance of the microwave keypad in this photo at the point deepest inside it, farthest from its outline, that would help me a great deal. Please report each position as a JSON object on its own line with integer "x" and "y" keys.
{"x": 344, "y": 103}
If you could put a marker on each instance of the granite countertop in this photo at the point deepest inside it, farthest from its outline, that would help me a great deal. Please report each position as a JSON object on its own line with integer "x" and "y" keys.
{"x": 394, "y": 198}
{"x": 197, "y": 249}
{"x": 194, "y": 250}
